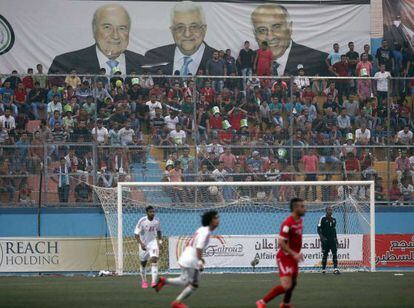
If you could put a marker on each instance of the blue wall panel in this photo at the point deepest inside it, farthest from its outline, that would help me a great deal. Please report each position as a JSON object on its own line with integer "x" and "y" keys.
{"x": 82, "y": 222}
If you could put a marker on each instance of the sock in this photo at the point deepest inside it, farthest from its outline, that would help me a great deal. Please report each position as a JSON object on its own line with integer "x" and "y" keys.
{"x": 186, "y": 293}
{"x": 178, "y": 281}
{"x": 154, "y": 272}
{"x": 324, "y": 260}
{"x": 275, "y": 291}
{"x": 143, "y": 273}
{"x": 335, "y": 260}
{"x": 288, "y": 295}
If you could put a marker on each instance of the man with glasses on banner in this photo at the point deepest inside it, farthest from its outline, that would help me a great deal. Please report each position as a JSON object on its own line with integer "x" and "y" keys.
{"x": 272, "y": 24}
{"x": 189, "y": 53}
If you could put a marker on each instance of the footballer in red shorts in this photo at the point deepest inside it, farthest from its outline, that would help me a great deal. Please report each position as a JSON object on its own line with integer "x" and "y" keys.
{"x": 289, "y": 255}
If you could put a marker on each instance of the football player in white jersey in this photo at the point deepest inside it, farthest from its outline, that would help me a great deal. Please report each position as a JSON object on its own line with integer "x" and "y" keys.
{"x": 191, "y": 261}
{"x": 148, "y": 234}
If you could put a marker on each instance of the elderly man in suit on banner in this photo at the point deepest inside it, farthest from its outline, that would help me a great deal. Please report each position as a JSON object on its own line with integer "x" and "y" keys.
{"x": 111, "y": 25}
{"x": 189, "y": 53}
{"x": 272, "y": 24}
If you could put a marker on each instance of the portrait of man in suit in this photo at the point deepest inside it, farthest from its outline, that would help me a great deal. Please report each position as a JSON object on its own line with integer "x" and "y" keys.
{"x": 111, "y": 25}
{"x": 399, "y": 22}
{"x": 189, "y": 53}
{"x": 272, "y": 23}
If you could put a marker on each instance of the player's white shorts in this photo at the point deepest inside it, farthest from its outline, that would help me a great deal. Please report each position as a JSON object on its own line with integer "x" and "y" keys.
{"x": 151, "y": 252}
{"x": 190, "y": 275}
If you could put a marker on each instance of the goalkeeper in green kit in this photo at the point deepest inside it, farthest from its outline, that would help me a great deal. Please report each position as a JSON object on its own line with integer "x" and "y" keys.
{"x": 329, "y": 240}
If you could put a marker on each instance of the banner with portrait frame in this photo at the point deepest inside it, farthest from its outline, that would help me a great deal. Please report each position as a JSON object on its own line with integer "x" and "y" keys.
{"x": 39, "y": 31}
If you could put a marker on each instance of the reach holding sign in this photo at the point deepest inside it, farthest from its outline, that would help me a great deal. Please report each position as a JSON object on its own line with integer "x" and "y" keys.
{"x": 33, "y": 253}
{"x": 240, "y": 250}
{"x": 53, "y": 254}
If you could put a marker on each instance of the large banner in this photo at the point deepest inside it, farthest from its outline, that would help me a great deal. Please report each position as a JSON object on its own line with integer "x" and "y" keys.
{"x": 394, "y": 250}
{"x": 135, "y": 35}
{"x": 399, "y": 22}
{"x": 230, "y": 251}
{"x": 55, "y": 254}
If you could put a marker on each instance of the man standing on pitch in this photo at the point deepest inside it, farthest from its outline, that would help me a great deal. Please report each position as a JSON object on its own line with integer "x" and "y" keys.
{"x": 288, "y": 256}
{"x": 327, "y": 233}
{"x": 148, "y": 235}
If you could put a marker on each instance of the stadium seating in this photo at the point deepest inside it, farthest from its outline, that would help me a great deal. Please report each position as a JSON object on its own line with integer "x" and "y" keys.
{"x": 143, "y": 151}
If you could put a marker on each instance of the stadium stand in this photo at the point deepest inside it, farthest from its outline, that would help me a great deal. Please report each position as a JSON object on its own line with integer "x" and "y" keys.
{"x": 102, "y": 129}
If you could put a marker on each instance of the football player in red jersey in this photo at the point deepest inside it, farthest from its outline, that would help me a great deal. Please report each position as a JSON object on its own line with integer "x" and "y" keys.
{"x": 288, "y": 255}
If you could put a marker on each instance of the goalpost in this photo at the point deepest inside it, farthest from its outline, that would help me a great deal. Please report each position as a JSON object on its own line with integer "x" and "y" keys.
{"x": 251, "y": 213}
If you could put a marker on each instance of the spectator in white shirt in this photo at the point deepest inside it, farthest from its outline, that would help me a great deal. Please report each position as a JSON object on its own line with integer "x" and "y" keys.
{"x": 171, "y": 120}
{"x": 405, "y": 136}
{"x": 363, "y": 134}
{"x": 220, "y": 173}
{"x": 100, "y": 133}
{"x": 344, "y": 122}
{"x": 54, "y": 105}
{"x": 178, "y": 136}
{"x": 407, "y": 190}
{"x": 215, "y": 149}
{"x": 146, "y": 81}
{"x": 381, "y": 78}
{"x": 152, "y": 104}
{"x": 126, "y": 134}
{"x": 4, "y": 134}
{"x": 301, "y": 81}
{"x": 7, "y": 120}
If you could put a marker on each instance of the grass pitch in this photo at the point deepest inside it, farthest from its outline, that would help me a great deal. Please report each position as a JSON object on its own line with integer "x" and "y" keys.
{"x": 226, "y": 290}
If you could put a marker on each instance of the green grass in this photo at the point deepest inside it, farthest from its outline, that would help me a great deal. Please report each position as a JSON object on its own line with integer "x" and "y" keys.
{"x": 226, "y": 290}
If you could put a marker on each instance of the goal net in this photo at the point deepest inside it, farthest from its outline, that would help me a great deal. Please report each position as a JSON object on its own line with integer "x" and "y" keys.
{"x": 251, "y": 214}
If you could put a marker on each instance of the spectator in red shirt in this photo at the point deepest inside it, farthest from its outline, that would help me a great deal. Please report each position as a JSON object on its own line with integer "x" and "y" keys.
{"x": 175, "y": 93}
{"x": 352, "y": 166}
{"x": 156, "y": 90}
{"x": 226, "y": 136}
{"x": 340, "y": 69}
{"x": 263, "y": 60}
{"x": 208, "y": 92}
{"x": 308, "y": 94}
{"x": 28, "y": 80}
{"x": 214, "y": 121}
{"x": 395, "y": 192}
{"x": 236, "y": 114}
{"x": 280, "y": 89}
{"x": 20, "y": 95}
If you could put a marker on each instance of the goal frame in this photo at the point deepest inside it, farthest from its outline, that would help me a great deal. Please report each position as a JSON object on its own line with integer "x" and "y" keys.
{"x": 121, "y": 185}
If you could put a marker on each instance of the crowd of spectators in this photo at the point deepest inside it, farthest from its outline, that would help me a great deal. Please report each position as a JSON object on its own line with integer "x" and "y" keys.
{"x": 242, "y": 129}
